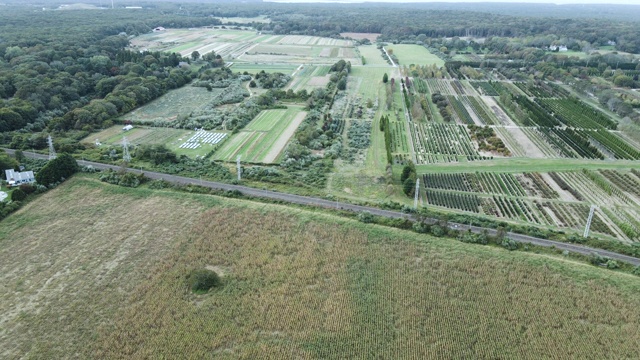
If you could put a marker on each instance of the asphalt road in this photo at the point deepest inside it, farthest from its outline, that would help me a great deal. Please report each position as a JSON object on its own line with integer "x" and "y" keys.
{"x": 311, "y": 201}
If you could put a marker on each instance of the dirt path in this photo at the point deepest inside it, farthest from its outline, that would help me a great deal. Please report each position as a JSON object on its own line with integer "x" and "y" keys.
{"x": 530, "y": 149}
{"x": 282, "y": 141}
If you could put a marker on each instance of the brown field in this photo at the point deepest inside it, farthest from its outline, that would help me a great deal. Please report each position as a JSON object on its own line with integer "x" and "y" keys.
{"x": 99, "y": 272}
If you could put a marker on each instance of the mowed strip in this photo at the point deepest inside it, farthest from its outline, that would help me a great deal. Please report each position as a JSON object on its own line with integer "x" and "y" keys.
{"x": 265, "y": 137}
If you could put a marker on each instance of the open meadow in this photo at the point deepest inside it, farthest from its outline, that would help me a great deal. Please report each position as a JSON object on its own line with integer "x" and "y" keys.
{"x": 264, "y": 138}
{"x": 100, "y": 271}
{"x": 414, "y": 54}
{"x": 168, "y": 107}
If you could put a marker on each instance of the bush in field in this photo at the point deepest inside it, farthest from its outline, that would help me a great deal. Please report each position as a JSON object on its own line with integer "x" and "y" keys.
{"x": 365, "y": 217}
{"x": 28, "y": 188}
{"x": 509, "y": 244}
{"x": 18, "y": 195}
{"x": 57, "y": 170}
{"x": 158, "y": 154}
{"x": 202, "y": 280}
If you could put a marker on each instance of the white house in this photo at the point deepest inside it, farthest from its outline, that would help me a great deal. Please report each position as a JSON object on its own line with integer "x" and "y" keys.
{"x": 127, "y": 127}
{"x": 15, "y": 178}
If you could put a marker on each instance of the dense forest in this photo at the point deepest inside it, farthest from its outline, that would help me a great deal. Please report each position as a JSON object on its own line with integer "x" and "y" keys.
{"x": 63, "y": 70}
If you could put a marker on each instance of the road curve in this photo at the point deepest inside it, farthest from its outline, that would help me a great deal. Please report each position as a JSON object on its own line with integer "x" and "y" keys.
{"x": 312, "y": 201}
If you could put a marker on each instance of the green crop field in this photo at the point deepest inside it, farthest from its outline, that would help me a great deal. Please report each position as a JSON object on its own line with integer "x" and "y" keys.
{"x": 264, "y": 138}
{"x": 176, "y": 102}
{"x": 415, "y": 54}
{"x": 103, "y": 274}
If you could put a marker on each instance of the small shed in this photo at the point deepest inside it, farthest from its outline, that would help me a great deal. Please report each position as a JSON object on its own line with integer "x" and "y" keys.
{"x": 159, "y": 28}
{"x": 15, "y": 178}
{"x": 127, "y": 127}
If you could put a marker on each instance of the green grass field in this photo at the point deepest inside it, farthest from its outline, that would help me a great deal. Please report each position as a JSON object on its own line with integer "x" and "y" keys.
{"x": 100, "y": 272}
{"x": 264, "y": 138}
{"x": 415, "y": 54}
{"x": 372, "y": 55}
{"x": 176, "y": 102}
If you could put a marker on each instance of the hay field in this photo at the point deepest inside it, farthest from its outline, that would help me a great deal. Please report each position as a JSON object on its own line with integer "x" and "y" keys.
{"x": 100, "y": 273}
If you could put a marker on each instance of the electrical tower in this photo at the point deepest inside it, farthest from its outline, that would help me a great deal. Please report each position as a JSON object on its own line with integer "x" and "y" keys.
{"x": 52, "y": 151}
{"x": 586, "y": 229}
{"x": 239, "y": 167}
{"x": 125, "y": 152}
{"x": 415, "y": 198}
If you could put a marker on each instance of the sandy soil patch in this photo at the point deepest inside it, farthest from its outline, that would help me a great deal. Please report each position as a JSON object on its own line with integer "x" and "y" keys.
{"x": 530, "y": 149}
{"x": 282, "y": 141}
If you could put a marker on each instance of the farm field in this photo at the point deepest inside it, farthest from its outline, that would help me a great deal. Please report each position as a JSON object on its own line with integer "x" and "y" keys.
{"x": 268, "y": 68}
{"x": 232, "y": 44}
{"x": 372, "y": 55}
{"x": 415, "y": 54}
{"x": 294, "y": 284}
{"x": 309, "y": 78}
{"x": 176, "y": 102}
{"x": 264, "y": 138}
{"x": 556, "y": 199}
{"x": 171, "y": 138}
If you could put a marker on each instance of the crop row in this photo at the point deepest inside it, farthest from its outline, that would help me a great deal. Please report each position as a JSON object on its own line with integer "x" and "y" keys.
{"x": 577, "y": 114}
{"x": 420, "y": 85}
{"x": 540, "y": 186}
{"x": 442, "y": 139}
{"x": 534, "y": 90}
{"x": 514, "y": 209}
{"x": 487, "y": 183}
{"x": 613, "y": 143}
{"x": 535, "y": 115}
{"x": 480, "y": 111}
{"x": 440, "y": 86}
{"x": 460, "y": 110}
{"x": 623, "y": 181}
{"x": 565, "y": 186}
{"x": 398, "y": 139}
{"x": 485, "y": 88}
{"x": 466, "y": 202}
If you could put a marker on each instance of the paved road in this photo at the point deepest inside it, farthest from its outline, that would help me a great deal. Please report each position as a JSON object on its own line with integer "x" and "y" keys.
{"x": 311, "y": 201}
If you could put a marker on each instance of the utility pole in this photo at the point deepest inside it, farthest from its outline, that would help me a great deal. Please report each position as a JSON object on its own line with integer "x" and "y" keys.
{"x": 125, "y": 152}
{"x": 586, "y": 229}
{"x": 52, "y": 150}
{"x": 239, "y": 168}
{"x": 417, "y": 194}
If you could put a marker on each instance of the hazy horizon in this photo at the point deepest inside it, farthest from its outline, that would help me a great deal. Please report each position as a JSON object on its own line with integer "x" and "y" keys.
{"x": 550, "y": 2}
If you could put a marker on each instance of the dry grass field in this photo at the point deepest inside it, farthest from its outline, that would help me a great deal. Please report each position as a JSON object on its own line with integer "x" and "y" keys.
{"x": 90, "y": 270}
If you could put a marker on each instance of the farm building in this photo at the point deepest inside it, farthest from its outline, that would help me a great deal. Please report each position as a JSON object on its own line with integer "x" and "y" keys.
{"x": 159, "y": 28}
{"x": 15, "y": 178}
{"x": 127, "y": 127}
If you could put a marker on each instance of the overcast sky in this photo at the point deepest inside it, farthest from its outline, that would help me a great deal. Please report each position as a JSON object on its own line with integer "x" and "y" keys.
{"x": 624, "y": 2}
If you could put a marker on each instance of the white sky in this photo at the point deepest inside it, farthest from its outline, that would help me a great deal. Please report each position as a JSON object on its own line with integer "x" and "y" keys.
{"x": 559, "y": 2}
